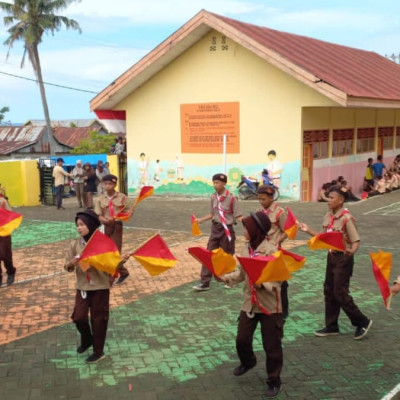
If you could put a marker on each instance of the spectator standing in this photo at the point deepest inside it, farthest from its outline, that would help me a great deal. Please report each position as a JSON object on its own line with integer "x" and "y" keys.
{"x": 100, "y": 174}
{"x": 59, "y": 175}
{"x": 90, "y": 185}
{"x": 378, "y": 167}
{"x": 107, "y": 168}
{"x": 78, "y": 175}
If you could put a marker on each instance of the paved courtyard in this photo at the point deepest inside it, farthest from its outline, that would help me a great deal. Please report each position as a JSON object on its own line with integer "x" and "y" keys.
{"x": 166, "y": 341}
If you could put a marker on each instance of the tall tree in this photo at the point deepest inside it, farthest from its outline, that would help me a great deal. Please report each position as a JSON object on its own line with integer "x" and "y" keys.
{"x": 29, "y": 20}
{"x": 3, "y": 110}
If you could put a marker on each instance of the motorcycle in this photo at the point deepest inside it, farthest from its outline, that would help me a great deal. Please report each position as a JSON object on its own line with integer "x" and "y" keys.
{"x": 248, "y": 186}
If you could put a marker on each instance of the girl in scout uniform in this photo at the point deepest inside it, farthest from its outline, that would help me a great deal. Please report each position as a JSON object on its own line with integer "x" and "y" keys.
{"x": 261, "y": 304}
{"x": 339, "y": 269}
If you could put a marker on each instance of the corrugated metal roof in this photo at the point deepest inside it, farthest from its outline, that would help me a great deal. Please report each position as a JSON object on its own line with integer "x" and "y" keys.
{"x": 72, "y": 136}
{"x": 356, "y": 72}
{"x": 66, "y": 123}
{"x": 13, "y": 138}
{"x": 9, "y": 147}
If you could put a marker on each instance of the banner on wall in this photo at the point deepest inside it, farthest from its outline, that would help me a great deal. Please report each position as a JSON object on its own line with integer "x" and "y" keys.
{"x": 203, "y": 126}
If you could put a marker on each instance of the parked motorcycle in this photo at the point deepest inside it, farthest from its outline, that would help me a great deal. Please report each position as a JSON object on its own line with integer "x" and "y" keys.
{"x": 248, "y": 186}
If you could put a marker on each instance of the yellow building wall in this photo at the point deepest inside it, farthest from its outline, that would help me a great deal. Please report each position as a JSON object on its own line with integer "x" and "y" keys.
{"x": 22, "y": 182}
{"x": 270, "y": 106}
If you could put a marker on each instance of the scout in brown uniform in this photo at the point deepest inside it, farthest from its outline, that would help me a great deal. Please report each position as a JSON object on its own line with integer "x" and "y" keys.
{"x": 339, "y": 269}
{"x": 276, "y": 235}
{"x": 224, "y": 212}
{"x": 107, "y": 206}
{"x": 93, "y": 291}
{"x": 261, "y": 304}
{"x": 6, "y": 251}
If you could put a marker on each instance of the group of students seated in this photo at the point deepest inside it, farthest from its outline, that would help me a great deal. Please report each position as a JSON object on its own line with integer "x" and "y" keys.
{"x": 385, "y": 181}
{"x": 344, "y": 187}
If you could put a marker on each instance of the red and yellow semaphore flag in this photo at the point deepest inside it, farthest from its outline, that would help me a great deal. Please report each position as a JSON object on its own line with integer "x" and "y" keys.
{"x": 154, "y": 255}
{"x": 217, "y": 261}
{"x": 262, "y": 269}
{"x": 9, "y": 221}
{"x": 145, "y": 191}
{"x": 196, "y": 231}
{"x": 101, "y": 253}
{"x": 381, "y": 266}
{"x": 123, "y": 216}
{"x": 293, "y": 262}
{"x": 327, "y": 241}
{"x": 290, "y": 226}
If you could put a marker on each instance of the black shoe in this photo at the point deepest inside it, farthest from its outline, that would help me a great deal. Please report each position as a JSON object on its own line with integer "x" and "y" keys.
{"x": 10, "y": 279}
{"x": 361, "y": 331}
{"x": 201, "y": 287}
{"x": 81, "y": 349}
{"x": 272, "y": 391}
{"x": 94, "y": 358}
{"x": 242, "y": 369}
{"x": 327, "y": 332}
{"x": 121, "y": 279}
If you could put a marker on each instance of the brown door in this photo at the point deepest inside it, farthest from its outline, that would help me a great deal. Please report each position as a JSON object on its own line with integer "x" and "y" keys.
{"x": 306, "y": 173}
{"x": 379, "y": 150}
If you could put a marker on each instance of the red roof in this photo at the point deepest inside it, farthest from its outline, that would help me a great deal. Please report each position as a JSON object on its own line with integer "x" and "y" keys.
{"x": 356, "y": 72}
{"x": 71, "y": 136}
{"x": 348, "y": 76}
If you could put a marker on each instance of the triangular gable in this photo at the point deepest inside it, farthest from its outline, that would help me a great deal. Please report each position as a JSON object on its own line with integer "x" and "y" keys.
{"x": 348, "y": 76}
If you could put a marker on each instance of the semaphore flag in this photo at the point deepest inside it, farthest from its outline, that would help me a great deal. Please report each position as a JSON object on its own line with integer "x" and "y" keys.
{"x": 9, "y": 221}
{"x": 217, "y": 261}
{"x": 290, "y": 226}
{"x": 145, "y": 191}
{"x": 101, "y": 253}
{"x": 381, "y": 266}
{"x": 196, "y": 231}
{"x": 154, "y": 255}
{"x": 262, "y": 269}
{"x": 327, "y": 241}
{"x": 293, "y": 262}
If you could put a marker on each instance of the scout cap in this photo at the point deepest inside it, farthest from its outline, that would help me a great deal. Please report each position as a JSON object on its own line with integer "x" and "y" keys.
{"x": 220, "y": 177}
{"x": 266, "y": 189}
{"x": 110, "y": 178}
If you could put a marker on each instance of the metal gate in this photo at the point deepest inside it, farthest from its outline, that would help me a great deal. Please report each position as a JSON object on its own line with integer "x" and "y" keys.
{"x": 47, "y": 192}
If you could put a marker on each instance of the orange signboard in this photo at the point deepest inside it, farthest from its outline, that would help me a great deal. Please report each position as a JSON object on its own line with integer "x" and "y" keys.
{"x": 203, "y": 126}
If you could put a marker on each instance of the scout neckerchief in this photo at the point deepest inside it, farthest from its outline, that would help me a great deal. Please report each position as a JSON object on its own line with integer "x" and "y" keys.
{"x": 254, "y": 298}
{"x": 220, "y": 199}
{"x": 333, "y": 218}
{"x": 111, "y": 210}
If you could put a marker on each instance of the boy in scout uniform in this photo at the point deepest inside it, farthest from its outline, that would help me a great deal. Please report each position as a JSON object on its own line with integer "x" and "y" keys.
{"x": 6, "y": 251}
{"x": 224, "y": 212}
{"x": 276, "y": 234}
{"x": 339, "y": 269}
{"x": 107, "y": 206}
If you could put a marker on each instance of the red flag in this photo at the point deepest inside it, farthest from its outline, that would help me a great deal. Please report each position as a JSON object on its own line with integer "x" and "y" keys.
{"x": 381, "y": 266}
{"x": 293, "y": 262}
{"x": 262, "y": 269}
{"x": 145, "y": 191}
{"x": 216, "y": 261}
{"x": 9, "y": 221}
{"x": 196, "y": 231}
{"x": 290, "y": 227}
{"x": 327, "y": 241}
{"x": 101, "y": 253}
{"x": 154, "y": 255}
{"x": 123, "y": 216}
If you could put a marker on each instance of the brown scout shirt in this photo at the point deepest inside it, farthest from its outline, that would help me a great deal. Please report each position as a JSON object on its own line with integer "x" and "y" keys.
{"x": 92, "y": 279}
{"x": 230, "y": 207}
{"x": 268, "y": 294}
{"x": 344, "y": 222}
{"x": 101, "y": 207}
{"x": 277, "y": 216}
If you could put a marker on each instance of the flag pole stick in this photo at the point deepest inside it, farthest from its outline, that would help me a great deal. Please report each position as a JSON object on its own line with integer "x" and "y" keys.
{"x": 142, "y": 244}
{"x": 389, "y": 301}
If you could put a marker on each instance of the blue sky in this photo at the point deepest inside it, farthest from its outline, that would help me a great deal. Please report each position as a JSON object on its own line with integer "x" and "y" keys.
{"x": 115, "y": 35}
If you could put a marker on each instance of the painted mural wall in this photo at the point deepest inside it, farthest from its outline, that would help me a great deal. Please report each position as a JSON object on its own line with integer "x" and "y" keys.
{"x": 215, "y": 71}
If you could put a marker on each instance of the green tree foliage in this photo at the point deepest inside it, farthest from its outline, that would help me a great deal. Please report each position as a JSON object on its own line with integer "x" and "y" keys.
{"x": 29, "y": 19}
{"x": 96, "y": 144}
{"x": 2, "y": 112}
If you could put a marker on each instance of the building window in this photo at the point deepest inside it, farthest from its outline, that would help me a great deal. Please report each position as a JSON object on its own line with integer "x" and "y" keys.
{"x": 398, "y": 137}
{"x": 365, "y": 140}
{"x": 319, "y": 140}
{"x": 342, "y": 143}
{"x": 387, "y": 134}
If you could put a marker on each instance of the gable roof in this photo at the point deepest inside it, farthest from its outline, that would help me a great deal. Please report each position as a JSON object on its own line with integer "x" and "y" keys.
{"x": 72, "y": 136}
{"x": 14, "y": 138}
{"x": 348, "y": 76}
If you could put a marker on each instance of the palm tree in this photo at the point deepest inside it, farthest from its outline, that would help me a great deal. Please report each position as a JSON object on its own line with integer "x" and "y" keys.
{"x": 29, "y": 20}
